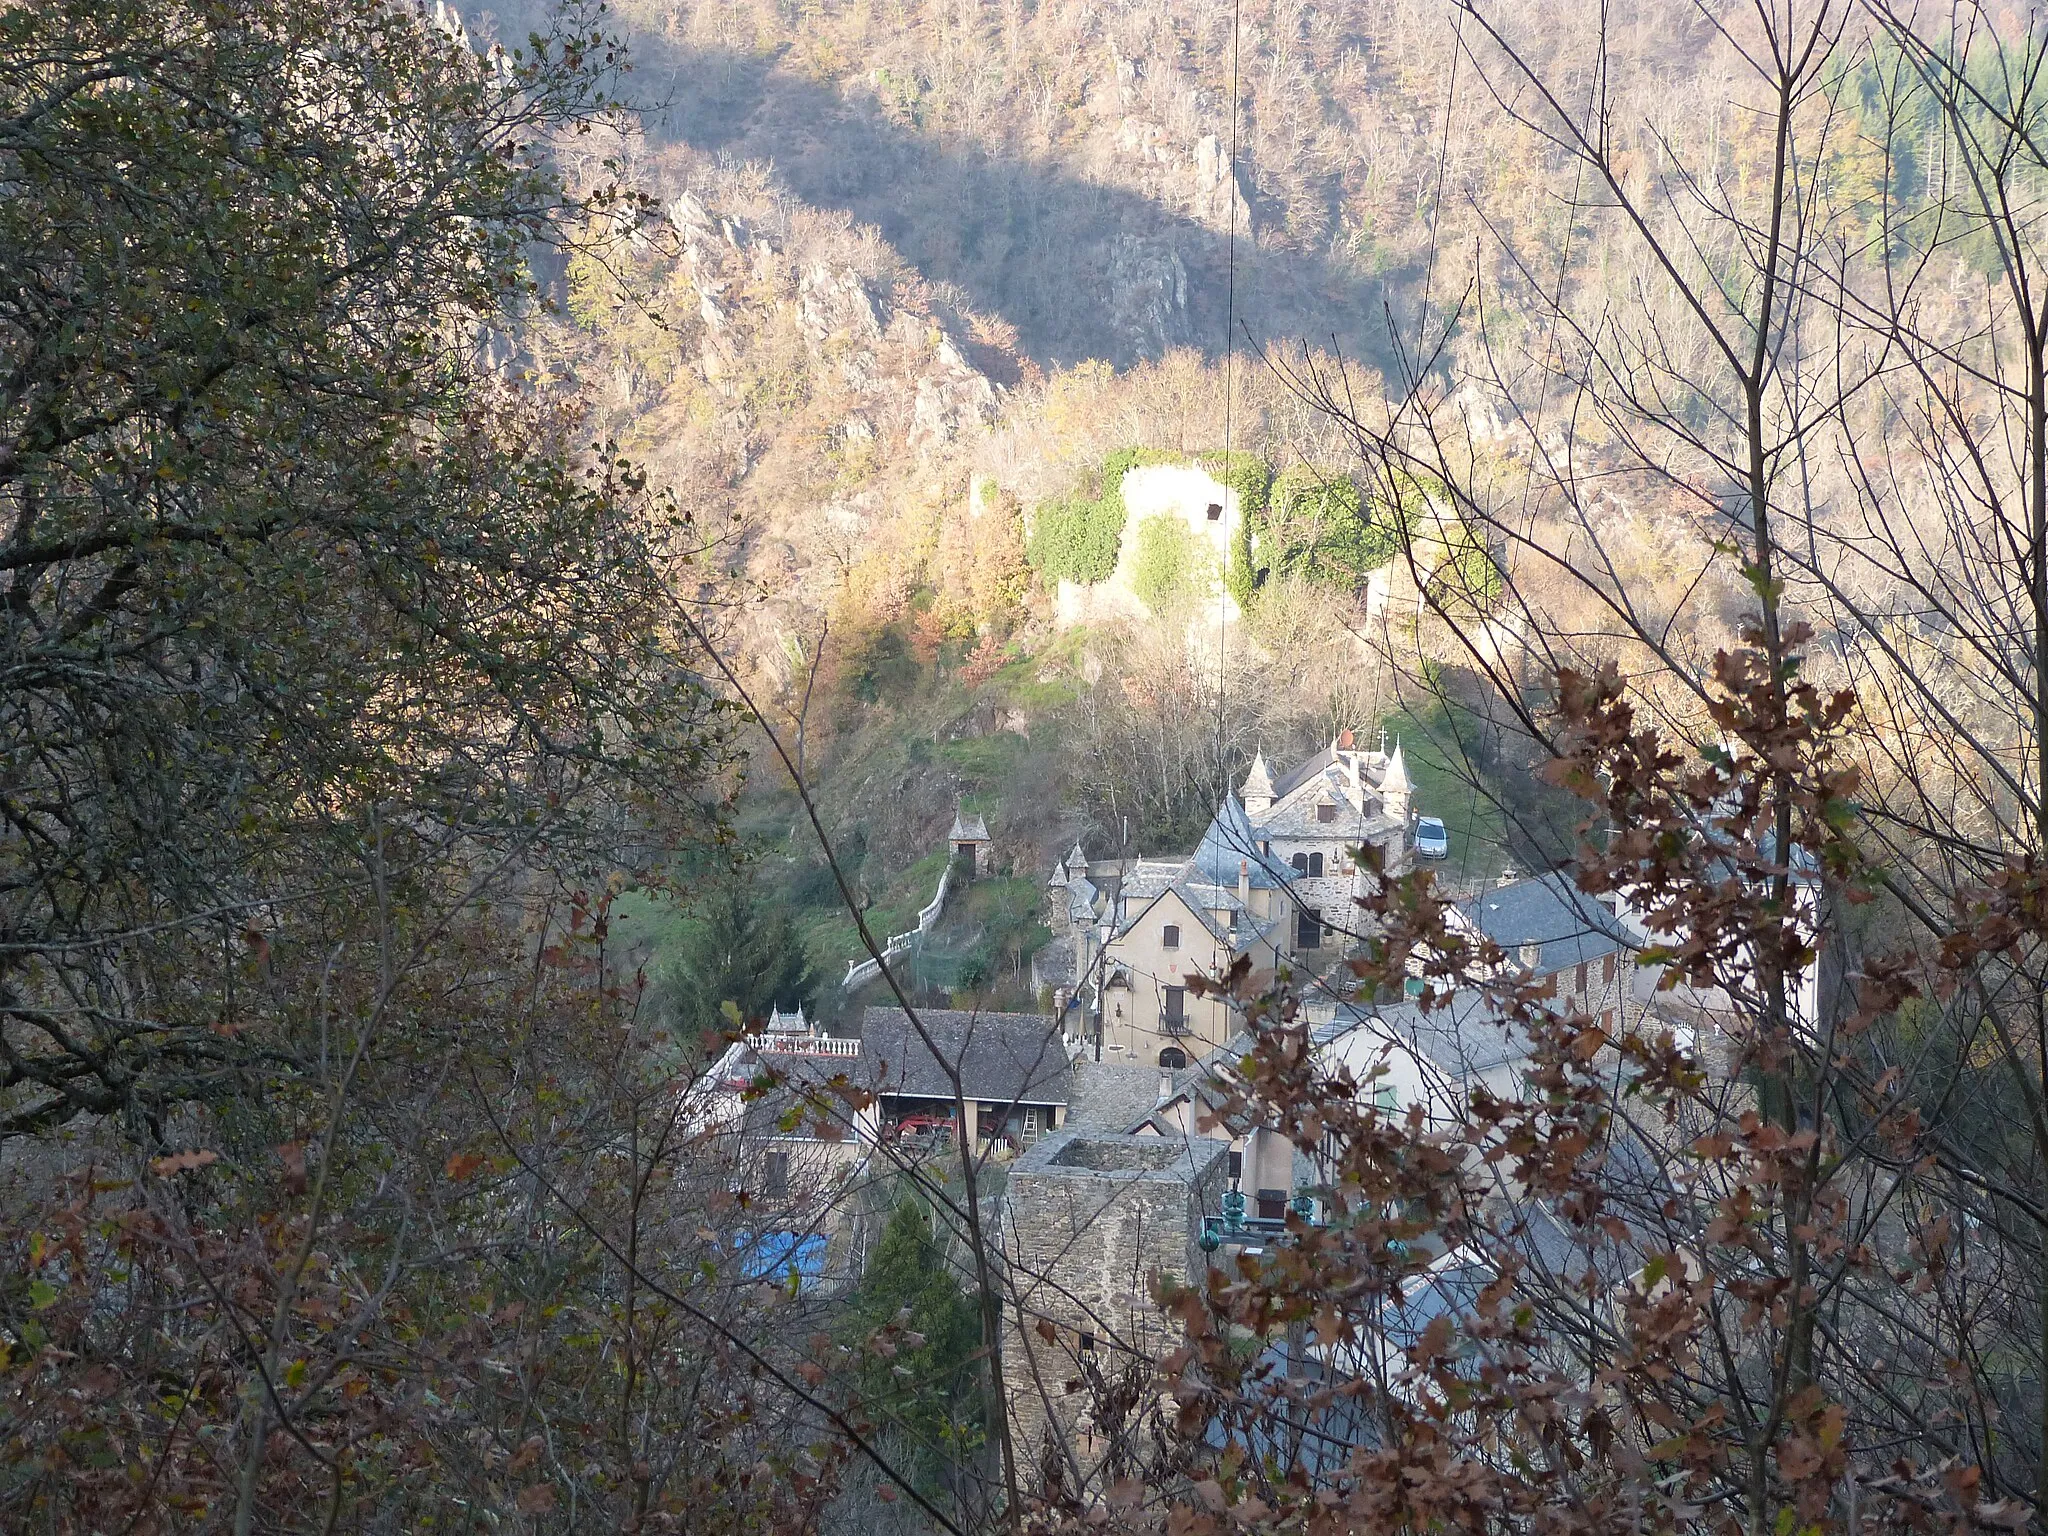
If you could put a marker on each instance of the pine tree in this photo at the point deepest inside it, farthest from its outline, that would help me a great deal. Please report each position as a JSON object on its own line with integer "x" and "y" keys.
{"x": 736, "y": 953}
{"x": 924, "y": 1385}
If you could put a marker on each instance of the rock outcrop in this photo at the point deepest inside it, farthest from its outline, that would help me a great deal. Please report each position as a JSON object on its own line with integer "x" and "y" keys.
{"x": 1219, "y": 191}
{"x": 1148, "y": 296}
{"x": 951, "y": 394}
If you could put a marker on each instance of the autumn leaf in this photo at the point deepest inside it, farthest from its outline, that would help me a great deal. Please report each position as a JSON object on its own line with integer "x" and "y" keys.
{"x": 537, "y": 1500}
{"x": 461, "y": 1165}
{"x": 182, "y": 1162}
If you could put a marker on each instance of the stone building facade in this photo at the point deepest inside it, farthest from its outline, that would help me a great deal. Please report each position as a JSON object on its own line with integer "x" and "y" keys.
{"x": 1090, "y": 1222}
{"x": 1310, "y": 820}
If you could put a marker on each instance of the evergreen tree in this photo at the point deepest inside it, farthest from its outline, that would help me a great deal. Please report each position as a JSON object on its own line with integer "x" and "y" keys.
{"x": 737, "y": 953}
{"x": 924, "y": 1383}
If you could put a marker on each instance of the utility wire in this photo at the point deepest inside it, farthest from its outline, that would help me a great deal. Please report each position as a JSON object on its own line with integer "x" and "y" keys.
{"x": 1229, "y": 422}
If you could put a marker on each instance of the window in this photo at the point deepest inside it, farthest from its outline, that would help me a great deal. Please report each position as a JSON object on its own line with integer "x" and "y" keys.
{"x": 1215, "y": 510}
{"x": 1236, "y": 1169}
{"x": 1308, "y": 928}
{"x": 1301, "y": 863}
{"x": 1176, "y": 1007}
{"x": 1170, "y": 937}
{"x": 775, "y": 1175}
{"x": 1326, "y": 812}
{"x": 1607, "y": 1020}
{"x": 1173, "y": 1058}
{"x": 1582, "y": 977}
{"x": 1087, "y": 1343}
{"x": 1607, "y": 970}
{"x": 1315, "y": 866}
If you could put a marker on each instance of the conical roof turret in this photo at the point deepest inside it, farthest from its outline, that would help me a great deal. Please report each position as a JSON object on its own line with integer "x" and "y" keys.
{"x": 1258, "y": 784}
{"x": 1396, "y": 779}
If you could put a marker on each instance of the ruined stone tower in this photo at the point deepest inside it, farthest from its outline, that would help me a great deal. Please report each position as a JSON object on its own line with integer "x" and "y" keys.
{"x": 1090, "y": 1221}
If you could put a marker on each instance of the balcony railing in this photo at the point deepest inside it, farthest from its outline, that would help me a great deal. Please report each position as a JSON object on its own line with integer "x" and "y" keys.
{"x": 804, "y": 1045}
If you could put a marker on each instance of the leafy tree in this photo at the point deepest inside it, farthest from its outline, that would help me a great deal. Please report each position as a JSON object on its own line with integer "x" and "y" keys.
{"x": 296, "y": 583}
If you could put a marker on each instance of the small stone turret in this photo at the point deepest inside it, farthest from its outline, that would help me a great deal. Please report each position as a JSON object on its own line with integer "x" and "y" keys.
{"x": 1395, "y": 788}
{"x": 1257, "y": 793}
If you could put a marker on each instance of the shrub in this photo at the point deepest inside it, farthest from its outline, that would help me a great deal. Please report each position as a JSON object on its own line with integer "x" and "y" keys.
{"x": 1323, "y": 530}
{"x": 1163, "y": 566}
{"x": 1076, "y": 540}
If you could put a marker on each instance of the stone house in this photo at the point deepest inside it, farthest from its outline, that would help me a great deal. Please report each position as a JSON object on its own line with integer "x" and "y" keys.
{"x": 1311, "y": 818}
{"x": 1172, "y": 919}
{"x": 1272, "y": 880}
{"x": 1014, "y": 1073}
{"x": 969, "y": 842}
{"x": 1552, "y": 929}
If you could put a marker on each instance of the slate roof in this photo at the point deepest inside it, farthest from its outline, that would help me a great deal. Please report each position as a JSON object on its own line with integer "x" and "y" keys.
{"x": 1230, "y": 843}
{"x": 1003, "y": 1058}
{"x": 1081, "y": 894}
{"x": 1111, "y": 1095}
{"x": 967, "y": 828}
{"x": 1057, "y": 963}
{"x": 1463, "y": 1037}
{"x": 1549, "y": 910}
{"x": 1302, "y": 772}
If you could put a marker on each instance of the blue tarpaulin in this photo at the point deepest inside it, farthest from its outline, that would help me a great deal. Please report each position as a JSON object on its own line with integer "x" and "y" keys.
{"x": 778, "y": 1256}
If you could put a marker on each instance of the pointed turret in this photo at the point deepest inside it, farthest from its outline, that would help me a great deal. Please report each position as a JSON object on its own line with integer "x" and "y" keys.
{"x": 1257, "y": 794}
{"x": 1394, "y": 786}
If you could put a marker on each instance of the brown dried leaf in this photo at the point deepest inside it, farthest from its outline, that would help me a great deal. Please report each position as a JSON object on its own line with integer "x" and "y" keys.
{"x": 182, "y": 1162}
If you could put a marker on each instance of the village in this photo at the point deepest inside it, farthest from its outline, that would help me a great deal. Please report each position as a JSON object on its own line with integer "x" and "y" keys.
{"x": 1111, "y": 1159}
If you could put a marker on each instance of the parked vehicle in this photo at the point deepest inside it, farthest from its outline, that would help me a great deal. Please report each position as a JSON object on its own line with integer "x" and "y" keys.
{"x": 925, "y": 1127}
{"x": 1431, "y": 840}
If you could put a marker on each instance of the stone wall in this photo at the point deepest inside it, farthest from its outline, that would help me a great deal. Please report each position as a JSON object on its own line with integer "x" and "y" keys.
{"x": 1089, "y": 1221}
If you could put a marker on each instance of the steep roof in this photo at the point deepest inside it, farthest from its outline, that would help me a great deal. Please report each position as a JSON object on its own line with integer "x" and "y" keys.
{"x": 1111, "y": 1095}
{"x": 967, "y": 828}
{"x": 1464, "y": 1036}
{"x": 1081, "y": 894}
{"x": 1302, "y": 772}
{"x": 1231, "y": 842}
{"x": 1550, "y": 911}
{"x": 1057, "y": 962}
{"x": 1396, "y": 775}
{"x": 1002, "y": 1058}
{"x": 1260, "y": 780}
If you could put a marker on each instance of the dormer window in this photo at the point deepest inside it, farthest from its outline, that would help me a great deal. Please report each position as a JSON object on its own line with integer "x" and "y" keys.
{"x": 1326, "y": 811}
